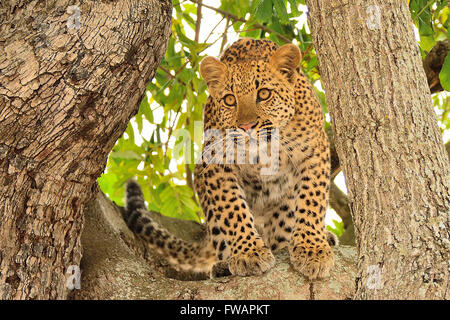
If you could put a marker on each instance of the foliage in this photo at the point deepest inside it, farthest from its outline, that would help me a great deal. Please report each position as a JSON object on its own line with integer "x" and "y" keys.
{"x": 337, "y": 229}
{"x": 431, "y": 20}
{"x": 444, "y": 75}
{"x": 431, "y": 17}
{"x": 147, "y": 150}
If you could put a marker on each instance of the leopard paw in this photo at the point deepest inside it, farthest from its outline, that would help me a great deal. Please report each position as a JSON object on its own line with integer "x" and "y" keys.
{"x": 314, "y": 261}
{"x": 255, "y": 261}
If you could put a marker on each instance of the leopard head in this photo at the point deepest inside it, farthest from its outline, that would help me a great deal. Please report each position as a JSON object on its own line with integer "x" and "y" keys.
{"x": 253, "y": 94}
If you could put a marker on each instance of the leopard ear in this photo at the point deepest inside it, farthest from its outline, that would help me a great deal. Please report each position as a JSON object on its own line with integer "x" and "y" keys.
{"x": 286, "y": 60}
{"x": 213, "y": 71}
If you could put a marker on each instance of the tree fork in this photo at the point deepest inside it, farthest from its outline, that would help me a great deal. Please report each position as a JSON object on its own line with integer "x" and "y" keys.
{"x": 71, "y": 77}
{"x": 389, "y": 146}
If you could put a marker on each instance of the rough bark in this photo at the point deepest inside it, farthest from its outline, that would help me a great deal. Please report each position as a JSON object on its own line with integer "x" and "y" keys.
{"x": 447, "y": 147}
{"x": 68, "y": 87}
{"x": 389, "y": 146}
{"x": 338, "y": 200}
{"x": 117, "y": 265}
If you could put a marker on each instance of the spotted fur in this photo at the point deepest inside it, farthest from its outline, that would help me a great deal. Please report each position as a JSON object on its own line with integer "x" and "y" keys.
{"x": 248, "y": 214}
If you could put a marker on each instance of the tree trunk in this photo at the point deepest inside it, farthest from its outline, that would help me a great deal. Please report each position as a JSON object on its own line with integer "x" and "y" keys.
{"x": 70, "y": 79}
{"x": 389, "y": 145}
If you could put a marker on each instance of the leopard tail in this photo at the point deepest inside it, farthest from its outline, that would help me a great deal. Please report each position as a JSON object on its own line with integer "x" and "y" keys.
{"x": 181, "y": 254}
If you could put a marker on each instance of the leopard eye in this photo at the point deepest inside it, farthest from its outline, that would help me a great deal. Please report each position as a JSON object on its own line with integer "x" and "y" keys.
{"x": 229, "y": 100}
{"x": 264, "y": 94}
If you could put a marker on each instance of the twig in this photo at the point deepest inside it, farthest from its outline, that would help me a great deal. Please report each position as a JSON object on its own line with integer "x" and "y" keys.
{"x": 181, "y": 69}
{"x": 213, "y": 29}
{"x": 224, "y": 36}
{"x": 167, "y": 72}
{"x": 424, "y": 8}
{"x": 175, "y": 77}
{"x": 308, "y": 49}
{"x": 199, "y": 21}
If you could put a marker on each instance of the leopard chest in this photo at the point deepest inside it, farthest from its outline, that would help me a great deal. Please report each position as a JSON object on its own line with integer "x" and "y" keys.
{"x": 265, "y": 191}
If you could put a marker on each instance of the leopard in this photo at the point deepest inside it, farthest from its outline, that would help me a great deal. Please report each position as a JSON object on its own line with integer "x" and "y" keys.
{"x": 257, "y": 92}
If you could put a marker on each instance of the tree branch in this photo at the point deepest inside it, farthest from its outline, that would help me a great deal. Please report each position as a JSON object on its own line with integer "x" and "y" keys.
{"x": 433, "y": 64}
{"x": 117, "y": 265}
{"x": 338, "y": 199}
{"x": 335, "y": 166}
{"x": 339, "y": 203}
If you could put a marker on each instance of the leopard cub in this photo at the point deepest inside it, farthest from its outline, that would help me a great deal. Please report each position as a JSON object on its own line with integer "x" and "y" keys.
{"x": 270, "y": 195}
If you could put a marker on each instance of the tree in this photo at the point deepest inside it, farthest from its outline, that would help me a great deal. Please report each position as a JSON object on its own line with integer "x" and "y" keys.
{"x": 52, "y": 152}
{"x": 71, "y": 77}
{"x": 389, "y": 145}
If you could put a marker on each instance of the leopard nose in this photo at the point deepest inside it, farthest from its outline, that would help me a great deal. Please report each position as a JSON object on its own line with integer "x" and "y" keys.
{"x": 248, "y": 126}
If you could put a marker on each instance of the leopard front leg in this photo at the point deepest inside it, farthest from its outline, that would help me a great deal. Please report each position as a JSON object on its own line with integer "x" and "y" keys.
{"x": 229, "y": 222}
{"x": 310, "y": 252}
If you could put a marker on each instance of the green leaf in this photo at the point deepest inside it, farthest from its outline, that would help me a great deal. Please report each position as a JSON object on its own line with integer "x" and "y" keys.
{"x": 146, "y": 109}
{"x": 294, "y": 8}
{"x": 421, "y": 11}
{"x": 177, "y": 202}
{"x": 127, "y": 154}
{"x": 254, "y": 5}
{"x": 130, "y": 132}
{"x": 280, "y": 8}
{"x": 338, "y": 228}
{"x": 444, "y": 75}
{"x": 264, "y": 11}
{"x": 139, "y": 122}
{"x": 106, "y": 182}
